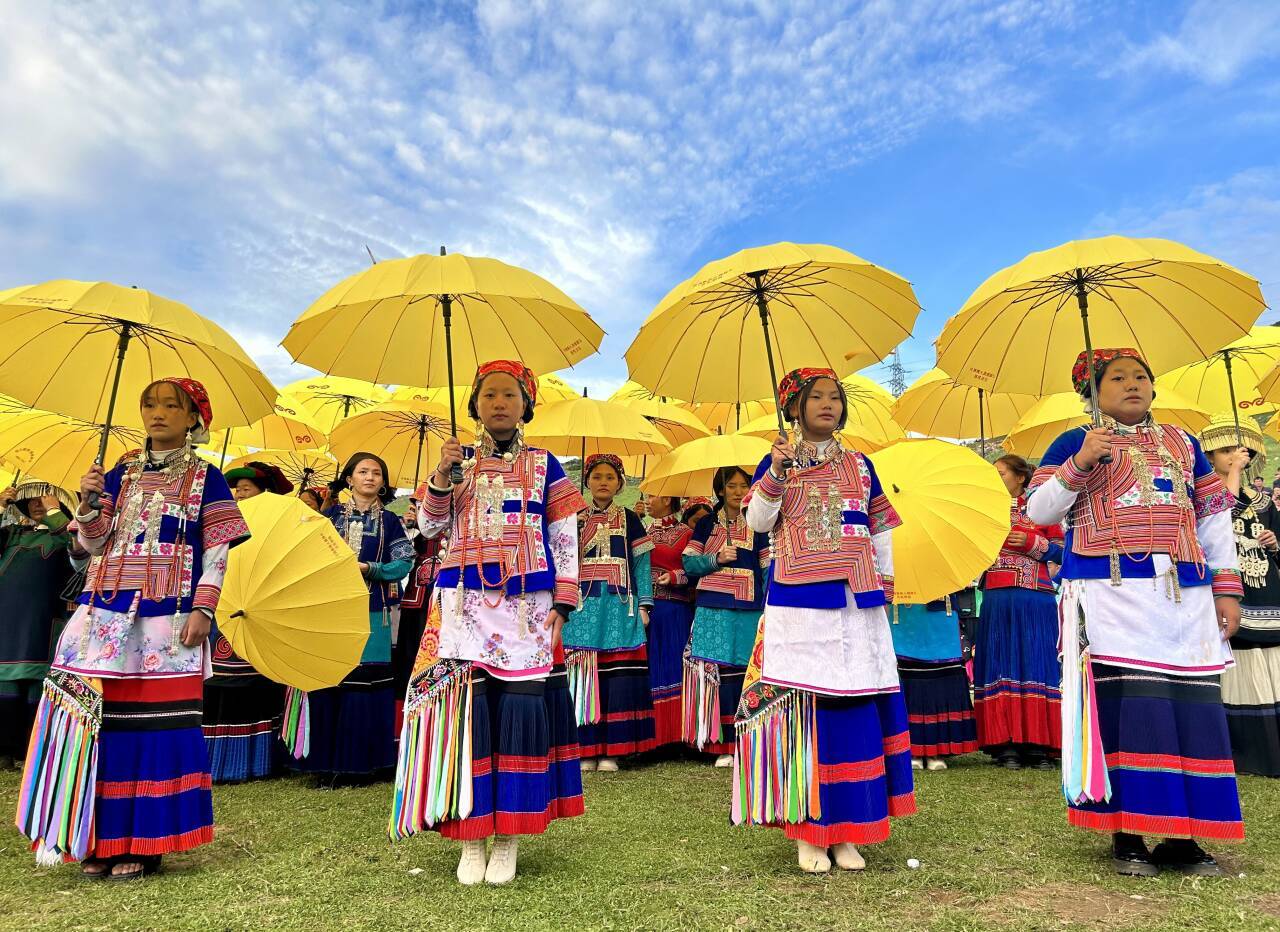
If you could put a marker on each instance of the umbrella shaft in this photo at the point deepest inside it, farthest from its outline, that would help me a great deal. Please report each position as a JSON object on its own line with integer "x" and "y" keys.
{"x": 768, "y": 349}
{"x": 1231, "y": 389}
{"x": 446, "y": 309}
{"x": 92, "y": 499}
{"x": 1082, "y": 298}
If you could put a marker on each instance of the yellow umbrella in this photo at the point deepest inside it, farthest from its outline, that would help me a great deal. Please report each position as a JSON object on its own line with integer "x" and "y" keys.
{"x": 936, "y": 406}
{"x": 633, "y": 391}
{"x": 585, "y": 426}
{"x": 869, "y": 427}
{"x": 714, "y": 337}
{"x": 727, "y": 417}
{"x": 221, "y": 457}
{"x": 58, "y": 449}
{"x": 1228, "y": 379}
{"x": 407, "y": 434}
{"x": 289, "y": 427}
{"x": 293, "y": 602}
{"x": 1023, "y": 328}
{"x": 1049, "y": 417}
{"x": 955, "y": 516}
{"x": 330, "y": 398}
{"x": 304, "y": 468}
{"x": 83, "y": 332}
{"x": 853, "y": 437}
{"x": 676, "y": 424}
{"x": 395, "y": 322}
{"x": 688, "y": 469}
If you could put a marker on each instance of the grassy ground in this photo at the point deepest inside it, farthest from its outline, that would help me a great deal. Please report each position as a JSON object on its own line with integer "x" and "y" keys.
{"x": 655, "y": 851}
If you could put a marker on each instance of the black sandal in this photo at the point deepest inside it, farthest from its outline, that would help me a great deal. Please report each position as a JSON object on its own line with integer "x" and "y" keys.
{"x": 106, "y": 863}
{"x": 149, "y": 864}
{"x": 1186, "y": 857}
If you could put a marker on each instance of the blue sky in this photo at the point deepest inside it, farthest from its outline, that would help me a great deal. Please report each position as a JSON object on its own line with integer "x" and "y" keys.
{"x": 239, "y": 156}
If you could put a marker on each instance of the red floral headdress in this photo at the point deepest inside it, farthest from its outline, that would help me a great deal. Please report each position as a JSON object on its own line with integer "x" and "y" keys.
{"x": 522, "y": 374}
{"x": 1081, "y": 377}
{"x": 794, "y": 381}
{"x": 611, "y": 459}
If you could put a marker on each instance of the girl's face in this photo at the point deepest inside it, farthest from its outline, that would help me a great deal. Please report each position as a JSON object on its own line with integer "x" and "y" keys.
{"x": 245, "y": 488}
{"x": 167, "y": 414}
{"x": 660, "y": 506}
{"x": 500, "y": 404}
{"x": 823, "y": 409}
{"x": 735, "y": 490}
{"x": 1223, "y": 459}
{"x": 1012, "y": 481}
{"x": 1125, "y": 391}
{"x": 309, "y": 499}
{"x": 367, "y": 479}
{"x": 604, "y": 483}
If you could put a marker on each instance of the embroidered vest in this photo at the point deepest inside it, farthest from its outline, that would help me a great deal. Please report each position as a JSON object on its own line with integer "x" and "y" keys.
{"x": 736, "y": 581}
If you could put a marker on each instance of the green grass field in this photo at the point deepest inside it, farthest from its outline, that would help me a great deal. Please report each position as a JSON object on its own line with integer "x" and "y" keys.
{"x": 655, "y": 851}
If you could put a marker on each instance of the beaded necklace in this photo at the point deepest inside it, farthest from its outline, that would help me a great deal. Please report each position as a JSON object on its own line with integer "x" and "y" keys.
{"x": 484, "y": 515}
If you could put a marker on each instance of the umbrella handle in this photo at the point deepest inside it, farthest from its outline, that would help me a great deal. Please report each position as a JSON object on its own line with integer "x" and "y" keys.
{"x": 93, "y": 500}
{"x": 446, "y": 311}
{"x": 1082, "y": 299}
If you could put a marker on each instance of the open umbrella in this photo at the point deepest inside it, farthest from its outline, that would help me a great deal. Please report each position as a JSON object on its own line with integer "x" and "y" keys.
{"x": 84, "y": 332}
{"x": 329, "y": 399}
{"x": 728, "y": 417}
{"x": 676, "y": 424}
{"x": 935, "y": 405}
{"x": 293, "y": 602}
{"x": 955, "y": 516}
{"x": 689, "y": 469}
{"x": 853, "y": 437}
{"x": 289, "y": 427}
{"x": 723, "y": 334}
{"x": 395, "y": 322}
{"x": 406, "y": 434}
{"x": 1049, "y": 417}
{"x": 585, "y": 426}
{"x": 304, "y": 468}
{"x": 1022, "y": 329}
{"x": 1228, "y": 379}
{"x": 56, "y": 449}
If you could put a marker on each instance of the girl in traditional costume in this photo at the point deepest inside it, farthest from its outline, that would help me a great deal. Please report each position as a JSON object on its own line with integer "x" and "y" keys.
{"x": 1016, "y": 676}
{"x": 727, "y": 559}
{"x": 489, "y": 745}
{"x": 1151, "y": 593}
{"x": 242, "y": 708}
{"x": 671, "y": 618}
{"x": 1251, "y": 689}
{"x": 118, "y": 773}
{"x": 351, "y": 727}
{"x": 608, "y": 657}
{"x": 35, "y": 568}
{"x": 823, "y": 749}
{"x": 935, "y": 686}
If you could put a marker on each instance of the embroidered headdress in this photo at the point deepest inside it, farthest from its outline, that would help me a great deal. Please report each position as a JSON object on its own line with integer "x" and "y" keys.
{"x": 523, "y": 375}
{"x": 793, "y": 384}
{"x": 1081, "y": 376}
{"x": 1221, "y": 434}
{"x": 596, "y": 458}
{"x": 200, "y": 399}
{"x": 267, "y": 476}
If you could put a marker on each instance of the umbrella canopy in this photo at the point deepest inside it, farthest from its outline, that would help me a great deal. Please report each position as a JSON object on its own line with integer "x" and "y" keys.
{"x": 327, "y": 399}
{"x": 221, "y": 457}
{"x": 293, "y": 602}
{"x": 955, "y": 516}
{"x": 1228, "y": 379}
{"x": 58, "y": 449}
{"x": 584, "y": 426}
{"x": 63, "y": 340}
{"x": 387, "y": 323}
{"x": 727, "y": 417}
{"x": 633, "y": 391}
{"x": 937, "y": 406}
{"x": 1052, "y": 416}
{"x": 823, "y": 307}
{"x": 689, "y": 469}
{"x": 407, "y": 434}
{"x": 1021, "y": 330}
{"x": 853, "y": 437}
{"x": 304, "y": 468}
{"x": 676, "y": 424}
{"x": 289, "y": 427}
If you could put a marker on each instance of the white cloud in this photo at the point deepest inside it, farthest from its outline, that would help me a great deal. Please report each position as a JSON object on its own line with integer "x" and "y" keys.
{"x": 1215, "y": 42}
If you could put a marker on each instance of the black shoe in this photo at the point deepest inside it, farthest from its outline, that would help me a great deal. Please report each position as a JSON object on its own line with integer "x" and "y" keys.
{"x": 1186, "y": 857}
{"x": 1009, "y": 760}
{"x": 1130, "y": 857}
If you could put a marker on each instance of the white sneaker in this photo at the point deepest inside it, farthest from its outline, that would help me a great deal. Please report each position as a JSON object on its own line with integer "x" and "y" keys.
{"x": 917, "y": 764}
{"x": 813, "y": 860}
{"x": 587, "y": 765}
{"x": 607, "y": 765}
{"x": 935, "y": 763}
{"x": 502, "y": 860}
{"x": 848, "y": 857}
{"x": 724, "y": 760}
{"x": 471, "y": 867}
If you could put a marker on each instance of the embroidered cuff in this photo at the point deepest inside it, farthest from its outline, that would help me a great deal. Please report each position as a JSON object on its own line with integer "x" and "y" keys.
{"x": 95, "y": 527}
{"x": 886, "y": 583}
{"x": 770, "y": 487}
{"x": 1227, "y": 582}
{"x": 1039, "y": 546}
{"x": 206, "y": 597}
{"x": 1071, "y": 476}
{"x": 566, "y": 591}
{"x": 436, "y": 505}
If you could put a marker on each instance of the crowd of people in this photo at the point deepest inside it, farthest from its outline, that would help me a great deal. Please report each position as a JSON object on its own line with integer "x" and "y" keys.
{"x": 525, "y": 628}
